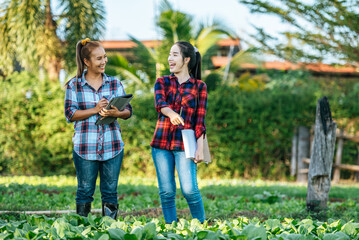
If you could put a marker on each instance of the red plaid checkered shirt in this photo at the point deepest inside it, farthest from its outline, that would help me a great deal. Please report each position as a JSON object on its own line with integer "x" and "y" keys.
{"x": 169, "y": 93}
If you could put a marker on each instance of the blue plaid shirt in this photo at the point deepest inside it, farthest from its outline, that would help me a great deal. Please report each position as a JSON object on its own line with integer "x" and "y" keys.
{"x": 91, "y": 141}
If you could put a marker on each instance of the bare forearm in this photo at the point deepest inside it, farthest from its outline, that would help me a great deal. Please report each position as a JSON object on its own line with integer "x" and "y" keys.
{"x": 167, "y": 111}
{"x": 123, "y": 114}
{"x": 83, "y": 114}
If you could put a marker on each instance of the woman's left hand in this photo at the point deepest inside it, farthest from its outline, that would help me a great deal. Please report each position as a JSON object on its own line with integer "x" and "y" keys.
{"x": 112, "y": 112}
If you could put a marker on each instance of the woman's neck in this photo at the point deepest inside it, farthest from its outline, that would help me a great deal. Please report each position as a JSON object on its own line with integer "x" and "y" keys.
{"x": 182, "y": 76}
{"x": 93, "y": 77}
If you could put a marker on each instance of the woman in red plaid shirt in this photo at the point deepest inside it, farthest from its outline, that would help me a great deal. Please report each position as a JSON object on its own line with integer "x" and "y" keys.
{"x": 181, "y": 102}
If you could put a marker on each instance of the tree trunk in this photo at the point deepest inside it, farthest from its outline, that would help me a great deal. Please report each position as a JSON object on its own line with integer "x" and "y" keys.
{"x": 303, "y": 152}
{"x": 321, "y": 159}
{"x": 53, "y": 63}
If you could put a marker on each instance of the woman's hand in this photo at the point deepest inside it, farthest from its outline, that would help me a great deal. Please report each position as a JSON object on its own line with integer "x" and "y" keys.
{"x": 112, "y": 112}
{"x": 176, "y": 119}
{"x": 101, "y": 105}
{"x": 199, "y": 151}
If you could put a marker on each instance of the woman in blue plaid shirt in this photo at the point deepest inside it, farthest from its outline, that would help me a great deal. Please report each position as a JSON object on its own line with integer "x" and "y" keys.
{"x": 97, "y": 148}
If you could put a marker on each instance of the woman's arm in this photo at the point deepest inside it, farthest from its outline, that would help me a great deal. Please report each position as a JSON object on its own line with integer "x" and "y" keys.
{"x": 114, "y": 112}
{"x": 83, "y": 114}
{"x": 162, "y": 106}
{"x": 200, "y": 127}
{"x": 175, "y": 118}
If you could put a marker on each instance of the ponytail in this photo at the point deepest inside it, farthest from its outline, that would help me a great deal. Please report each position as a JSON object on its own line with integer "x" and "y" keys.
{"x": 83, "y": 50}
{"x": 79, "y": 60}
{"x": 194, "y": 65}
{"x": 196, "y": 70}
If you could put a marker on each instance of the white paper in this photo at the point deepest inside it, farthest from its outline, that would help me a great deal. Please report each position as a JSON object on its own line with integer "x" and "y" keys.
{"x": 189, "y": 142}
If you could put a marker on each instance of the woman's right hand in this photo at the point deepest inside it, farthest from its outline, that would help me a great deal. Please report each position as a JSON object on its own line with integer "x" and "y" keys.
{"x": 176, "y": 119}
{"x": 101, "y": 104}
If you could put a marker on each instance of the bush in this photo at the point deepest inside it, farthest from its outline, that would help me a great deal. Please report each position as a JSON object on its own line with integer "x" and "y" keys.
{"x": 34, "y": 138}
{"x": 249, "y": 133}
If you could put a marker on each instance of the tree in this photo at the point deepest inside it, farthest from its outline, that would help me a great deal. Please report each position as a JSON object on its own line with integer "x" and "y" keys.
{"x": 322, "y": 29}
{"x": 176, "y": 26}
{"x": 33, "y": 36}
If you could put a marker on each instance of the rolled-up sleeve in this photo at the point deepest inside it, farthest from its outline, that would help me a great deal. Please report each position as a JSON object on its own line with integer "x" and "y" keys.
{"x": 200, "y": 127}
{"x": 160, "y": 95}
{"x": 71, "y": 104}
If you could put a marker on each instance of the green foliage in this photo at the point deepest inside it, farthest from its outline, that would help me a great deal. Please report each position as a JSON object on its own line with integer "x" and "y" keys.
{"x": 223, "y": 199}
{"x": 31, "y": 35}
{"x": 249, "y": 132}
{"x": 232, "y": 212}
{"x": 176, "y": 26}
{"x": 137, "y": 133}
{"x": 34, "y": 138}
{"x": 320, "y": 29}
{"x": 213, "y": 81}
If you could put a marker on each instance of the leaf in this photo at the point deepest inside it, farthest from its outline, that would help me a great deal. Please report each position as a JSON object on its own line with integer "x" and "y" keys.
{"x": 61, "y": 227}
{"x": 174, "y": 236}
{"x": 273, "y": 224}
{"x": 305, "y": 229}
{"x": 129, "y": 236}
{"x": 349, "y": 229}
{"x": 253, "y": 232}
{"x": 104, "y": 237}
{"x": 106, "y": 221}
{"x": 86, "y": 231}
{"x": 91, "y": 218}
{"x": 149, "y": 230}
{"x": 294, "y": 236}
{"x": 117, "y": 234}
{"x": 138, "y": 231}
{"x": 336, "y": 236}
{"x": 202, "y": 234}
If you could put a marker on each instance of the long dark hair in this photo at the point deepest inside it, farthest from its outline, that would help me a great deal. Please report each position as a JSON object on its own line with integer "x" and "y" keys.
{"x": 84, "y": 49}
{"x": 194, "y": 65}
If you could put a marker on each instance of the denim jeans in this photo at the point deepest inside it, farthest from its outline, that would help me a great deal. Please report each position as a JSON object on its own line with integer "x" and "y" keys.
{"x": 165, "y": 162}
{"x": 87, "y": 171}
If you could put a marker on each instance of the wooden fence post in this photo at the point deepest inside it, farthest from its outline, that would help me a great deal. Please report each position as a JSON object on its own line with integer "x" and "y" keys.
{"x": 321, "y": 160}
{"x": 338, "y": 157}
{"x": 303, "y": 152}
{"x": 293, "y": 161}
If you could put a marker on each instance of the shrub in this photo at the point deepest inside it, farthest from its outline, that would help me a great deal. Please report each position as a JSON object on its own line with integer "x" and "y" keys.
{"x": 249, "y": 132}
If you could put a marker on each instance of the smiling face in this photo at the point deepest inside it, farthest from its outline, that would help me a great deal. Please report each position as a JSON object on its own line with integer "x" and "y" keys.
{"x": 97, "y": 61}
{"x": 176, "y": 61}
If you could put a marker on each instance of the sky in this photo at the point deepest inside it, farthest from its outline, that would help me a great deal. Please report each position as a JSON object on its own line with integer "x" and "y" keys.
{"x": 137, "y": 17}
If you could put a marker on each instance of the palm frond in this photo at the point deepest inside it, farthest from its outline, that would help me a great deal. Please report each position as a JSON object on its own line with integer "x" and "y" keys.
{"x": 146, "y": 58}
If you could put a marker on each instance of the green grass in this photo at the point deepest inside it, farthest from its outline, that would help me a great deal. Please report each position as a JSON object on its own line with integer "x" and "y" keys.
{"x": 223, "y": 199}
{"x": 235, "y": 209}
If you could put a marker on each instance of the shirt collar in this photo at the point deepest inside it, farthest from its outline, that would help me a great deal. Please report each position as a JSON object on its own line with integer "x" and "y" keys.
{"x": 191, "y": 79}
{"x": 83, "y": 81}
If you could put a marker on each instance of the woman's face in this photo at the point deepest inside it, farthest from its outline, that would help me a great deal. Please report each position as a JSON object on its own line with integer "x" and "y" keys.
{"x": 97, "y": 61}
{"x": 176, "y": 61}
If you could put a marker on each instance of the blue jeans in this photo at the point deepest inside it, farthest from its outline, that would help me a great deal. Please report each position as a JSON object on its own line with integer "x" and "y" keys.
{"x": 165, "y": 162}
{"x": 87, "y": 171}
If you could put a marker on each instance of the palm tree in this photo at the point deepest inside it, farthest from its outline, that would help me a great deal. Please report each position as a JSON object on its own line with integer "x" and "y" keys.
{"x": 174, "y": 26}
{"x": 33, "y": 36}
{"x": 119, "y": 66}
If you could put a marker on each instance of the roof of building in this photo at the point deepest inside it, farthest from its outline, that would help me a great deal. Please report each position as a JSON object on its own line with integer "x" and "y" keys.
{"x": 277, "y": 65}
{"x": 154, "y": 43}
{"x": 127, "y": 44}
